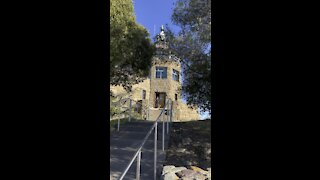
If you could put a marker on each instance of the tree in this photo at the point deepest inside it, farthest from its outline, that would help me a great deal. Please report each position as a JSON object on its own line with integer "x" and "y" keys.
{"x": 130, "y": 47}
{"x": 193, "y": 45}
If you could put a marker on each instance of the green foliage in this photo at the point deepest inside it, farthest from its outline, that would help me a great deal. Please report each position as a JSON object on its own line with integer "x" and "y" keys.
{"x": 114, "y": 108}
{"x": 193, "y": 45}
{"x": 119, "y": 105}
{"x": 130, "y": 47}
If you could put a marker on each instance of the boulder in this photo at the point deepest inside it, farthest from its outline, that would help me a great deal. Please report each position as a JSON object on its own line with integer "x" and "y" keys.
{"x": 209, "y": 173}
{"x": 181, "y": 150}
{"x": 199, "y": 176}
{"x": 171, "y": 169}
{"x": 177, "y": 169}
{"x": 170, "y": 176}
{"x": 197, "y": 169}
{"x": 186, "y": 173}
{"x": 186, "y": 141}
{"x": 167, "y": 169}
{"x": 189, "y": 174}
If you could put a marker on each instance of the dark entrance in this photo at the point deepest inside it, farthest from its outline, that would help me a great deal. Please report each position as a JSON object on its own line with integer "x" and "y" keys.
{"x": 139, "y": 106}
{"x": 160, "y": 101}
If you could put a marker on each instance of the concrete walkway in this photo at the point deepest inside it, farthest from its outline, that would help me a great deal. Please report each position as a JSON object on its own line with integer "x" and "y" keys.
{"x": 125, "y": 143}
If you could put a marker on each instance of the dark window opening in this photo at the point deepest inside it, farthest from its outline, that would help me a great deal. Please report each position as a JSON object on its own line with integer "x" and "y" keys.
{"x": 139, "y": 106}
{"x": 143, "y": 94}
{"x": 160, "y": 100}
{"x": 176, "y": 97}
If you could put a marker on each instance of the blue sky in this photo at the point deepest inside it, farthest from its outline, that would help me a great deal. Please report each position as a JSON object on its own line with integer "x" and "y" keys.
{"x": 150, "y": 13}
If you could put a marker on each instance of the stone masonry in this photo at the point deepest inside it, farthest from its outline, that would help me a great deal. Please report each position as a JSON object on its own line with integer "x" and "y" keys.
{"x": 154, "y": 85}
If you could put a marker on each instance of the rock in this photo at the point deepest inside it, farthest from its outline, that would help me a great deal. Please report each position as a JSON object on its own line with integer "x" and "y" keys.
{"x": 199, "y": 176}
{"x": 186, "y": 141}
{"x": 170, "y": 176}
{"x": 209, "y": 170}
{"x": 197, "y": 169}
{"x": 196, "y": 144}
{"x": 209, "y": 173}
{"x": 188, "y": 152}
{"x": 171, "y": 169}
{"x": 167, "y": 169}
{"x": 181, "y": 150}
{"x": 187, "y": 178}
{"x": 191, "y": 175}
{"x": 177, "y": 169}
{"x": 186, "y": 173}
{"x": 208, "y": 151}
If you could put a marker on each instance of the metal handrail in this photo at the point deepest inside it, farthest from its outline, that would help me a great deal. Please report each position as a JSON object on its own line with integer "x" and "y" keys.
{"x": 138, "y": 152}
{"x": 123, "y": 101}
{"x": 119, "y": 103}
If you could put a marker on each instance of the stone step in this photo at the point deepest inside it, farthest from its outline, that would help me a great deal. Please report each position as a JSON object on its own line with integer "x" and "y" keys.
{"x": 135, "y": 135}
{"x": 131, "y": 145}
{"x": 124, "y": 144}
{"x": 132, "y": 126}
{"x": 117, "y": 166}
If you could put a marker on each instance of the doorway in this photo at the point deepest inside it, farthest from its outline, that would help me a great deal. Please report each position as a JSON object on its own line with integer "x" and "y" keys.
{"x": 160, "y": 100}
{"x": 139, "y": 106}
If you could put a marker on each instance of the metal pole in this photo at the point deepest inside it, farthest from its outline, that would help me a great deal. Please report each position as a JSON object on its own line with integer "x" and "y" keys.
{"x": 171, "y": 113}
{"x": 148, "y": 117}
{"x": 163, "y": 128}
{"x": 129, "y": 109}
{"x": 155, "y": 153}
{"x": 168, "y": 114}
{"x": 138, "y": 166}
{"x": 118, "y": 122}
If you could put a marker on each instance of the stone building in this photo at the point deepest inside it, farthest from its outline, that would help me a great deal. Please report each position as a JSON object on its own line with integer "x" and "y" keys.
{"x": 164, "y": 82}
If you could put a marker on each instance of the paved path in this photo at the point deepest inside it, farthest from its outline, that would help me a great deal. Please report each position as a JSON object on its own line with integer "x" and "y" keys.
{"x": 125, "y": 143}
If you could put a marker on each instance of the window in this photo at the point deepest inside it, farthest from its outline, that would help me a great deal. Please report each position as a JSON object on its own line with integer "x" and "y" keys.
{"x": 160, "y": 100}
{"x": 161, "y": 72}
{"x": 139, "y": 106}
{"x": 143, "y": 94}
{"x": 176, "y": 97}
{"x": 175, "y": 75}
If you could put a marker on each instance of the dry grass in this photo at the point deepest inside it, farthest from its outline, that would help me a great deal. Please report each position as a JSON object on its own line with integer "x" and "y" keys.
{"x": 189, "y": 144}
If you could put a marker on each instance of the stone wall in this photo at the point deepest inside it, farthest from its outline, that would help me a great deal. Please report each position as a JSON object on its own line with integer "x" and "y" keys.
{"x": 183, "y": 113}
{"x": 187, "y": 114}
{"x": 168, "y": 85}
{"x": 152, "y": 85}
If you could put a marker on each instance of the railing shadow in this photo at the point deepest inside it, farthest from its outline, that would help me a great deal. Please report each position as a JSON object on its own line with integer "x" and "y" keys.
{"x": 144, "y": 161}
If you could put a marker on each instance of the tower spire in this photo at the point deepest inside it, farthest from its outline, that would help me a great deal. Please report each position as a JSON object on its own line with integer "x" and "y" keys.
{"x": 162, "y": 34}
{"x": 161, "y": 39}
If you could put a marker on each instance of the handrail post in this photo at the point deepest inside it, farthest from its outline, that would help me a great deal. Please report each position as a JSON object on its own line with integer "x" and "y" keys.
{"x": 118, "y": 122}
{"x": 139, "y": 151}
{"x": 155, "y": 153}
{"x": 130, "y": 104}
{"x": 138, "y": 166}
{"x": 171, "y": 112}
{"x": 168, "y": 114}
{"x": 163, "y": 128}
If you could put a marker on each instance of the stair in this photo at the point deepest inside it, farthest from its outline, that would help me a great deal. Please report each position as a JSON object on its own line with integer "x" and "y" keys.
{"x": 124, "y": 144}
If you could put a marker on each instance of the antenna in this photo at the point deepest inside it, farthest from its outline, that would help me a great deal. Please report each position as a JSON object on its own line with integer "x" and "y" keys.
{"x": 154, "y": 30}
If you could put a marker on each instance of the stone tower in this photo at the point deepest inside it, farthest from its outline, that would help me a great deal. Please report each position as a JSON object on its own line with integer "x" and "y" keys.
{"x": 164, "y": 82}
{"x": 165, "y": 78}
